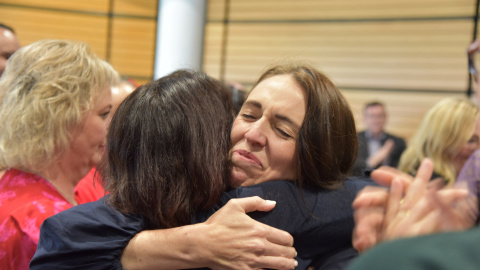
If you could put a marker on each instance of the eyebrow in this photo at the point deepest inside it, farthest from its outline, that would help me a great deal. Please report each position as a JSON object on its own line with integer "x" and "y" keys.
{"x": 253, "y": 103}
{"x": 287, "y": 120}
{"x": 277, "y": 116}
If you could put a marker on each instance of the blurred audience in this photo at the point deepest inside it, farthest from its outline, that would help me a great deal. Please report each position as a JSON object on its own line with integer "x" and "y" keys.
{"x": 414, "y": 207}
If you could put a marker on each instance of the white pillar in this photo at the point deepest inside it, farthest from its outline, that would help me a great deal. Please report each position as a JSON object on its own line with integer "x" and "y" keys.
{"x": 180, "y": 31}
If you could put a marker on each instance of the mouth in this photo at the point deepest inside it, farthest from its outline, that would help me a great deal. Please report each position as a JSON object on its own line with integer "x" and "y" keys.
{"x": 248, "y": 156}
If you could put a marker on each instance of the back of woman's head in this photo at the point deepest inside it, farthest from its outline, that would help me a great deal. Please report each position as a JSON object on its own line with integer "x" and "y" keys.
{"x": 446, "y": 127}
{"x": 167, "y": 148}
{"x": 45, "y": 91}
{"x": 327, "y": 145}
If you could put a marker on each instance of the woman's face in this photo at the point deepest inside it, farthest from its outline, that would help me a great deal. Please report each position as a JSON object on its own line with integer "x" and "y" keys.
{"x": 264, "y": 134}
{"x": 88, "y": 144}
{"x": 469, "y": 147}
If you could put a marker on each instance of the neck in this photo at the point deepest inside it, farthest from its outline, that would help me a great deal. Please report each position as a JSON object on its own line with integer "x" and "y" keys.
{"x": 63, "y": 178}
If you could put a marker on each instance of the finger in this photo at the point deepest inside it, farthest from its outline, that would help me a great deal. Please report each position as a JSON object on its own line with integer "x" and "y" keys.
{"x": 271, "y": 262}
{"x": 447, "y": 197}
{"x": 419, "y": 184}
{"x": 436, "y": 184}
{"x": 422, "y": 208}
{"x": 393, "y": 205}
{"x": 368, "y": 224}
{"x": 279, "y": 237}
{"x": 276, "y": 250}
{"x": 385, "y": 175}
{"x": 254, "y": 203}
{"x": 371, "y": 196}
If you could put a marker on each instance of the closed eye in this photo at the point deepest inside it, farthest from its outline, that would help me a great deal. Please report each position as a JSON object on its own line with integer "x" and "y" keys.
{"x": 105, "y": 114}
{"x": 248, "y": 116}
{"x": 283, "y": 133}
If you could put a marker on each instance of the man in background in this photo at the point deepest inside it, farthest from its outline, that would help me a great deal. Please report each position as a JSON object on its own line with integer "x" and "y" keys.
{"x": 8, "y": 45}
{"x": 376, "y": 147}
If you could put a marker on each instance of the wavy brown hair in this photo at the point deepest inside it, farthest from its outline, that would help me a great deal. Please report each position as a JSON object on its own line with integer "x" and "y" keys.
{"x": 167, "y": 149}
{"x": 327, "y": 146}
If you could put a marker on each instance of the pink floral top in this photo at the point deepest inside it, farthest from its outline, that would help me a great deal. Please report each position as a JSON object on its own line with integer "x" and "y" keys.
{"x": 26, "y": 200}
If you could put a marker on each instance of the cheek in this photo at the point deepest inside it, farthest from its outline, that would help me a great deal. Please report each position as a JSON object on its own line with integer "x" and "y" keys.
{"x": 236, "y": 134}
{"x": 466, "y": 151}
{"x": 98, "y": 131}
{"x": 286, "y": 156}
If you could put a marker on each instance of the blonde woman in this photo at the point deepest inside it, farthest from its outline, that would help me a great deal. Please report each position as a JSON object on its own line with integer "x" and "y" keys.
{"x": 55, "y": 100}
{"x": 448, "y": 135}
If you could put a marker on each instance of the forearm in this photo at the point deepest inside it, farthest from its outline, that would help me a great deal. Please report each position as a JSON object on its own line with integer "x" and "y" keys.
{"x": 176, "y": 248}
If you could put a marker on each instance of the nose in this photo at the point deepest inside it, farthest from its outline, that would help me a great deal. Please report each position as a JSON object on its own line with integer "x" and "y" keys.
{"x": 256, "y": 135}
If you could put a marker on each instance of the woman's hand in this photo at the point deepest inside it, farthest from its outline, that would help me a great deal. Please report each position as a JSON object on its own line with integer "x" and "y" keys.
{"x": 425, "y": 207}
{"x": 235, "y": 241}
{"x": 370, "y": 207}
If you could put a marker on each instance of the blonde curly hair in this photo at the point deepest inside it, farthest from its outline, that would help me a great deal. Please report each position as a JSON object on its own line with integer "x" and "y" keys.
{"x": 45, "y": 92}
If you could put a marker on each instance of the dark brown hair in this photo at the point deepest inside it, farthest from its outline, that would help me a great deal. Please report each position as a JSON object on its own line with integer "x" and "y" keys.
{"x": 167, "y": 149}
{"x": 327, "y": 146}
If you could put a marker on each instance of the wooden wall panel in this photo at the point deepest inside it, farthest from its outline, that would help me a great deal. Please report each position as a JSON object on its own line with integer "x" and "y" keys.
{"x": 133, "y": 51}
{"x": 216, "y": 10}
{"x": 213, "y": 49}
{"x": 125, "y": 35}
{"x": 407, "y": 53}
{"x": 136, "y": 7}
{"x": 83, "y": 5}
{"x": 32, "y": 25}
{"x": 347, "y": 9}
{"x": 395, "y": 55}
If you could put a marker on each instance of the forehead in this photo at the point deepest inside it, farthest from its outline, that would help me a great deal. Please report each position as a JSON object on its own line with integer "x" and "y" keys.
{"x": 104, "y": 97}
{"x": 374, "y": 109}
{"x": 279, "y": 88}
{"x": 279, "y": 97}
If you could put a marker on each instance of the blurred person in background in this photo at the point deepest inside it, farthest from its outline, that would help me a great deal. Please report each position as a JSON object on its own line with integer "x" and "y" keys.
{"x": 376, "y": 147}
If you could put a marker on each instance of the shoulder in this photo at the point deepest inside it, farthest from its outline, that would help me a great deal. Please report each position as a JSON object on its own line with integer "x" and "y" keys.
{"x": 96, "y": 214}
{"x": 70, "y": 237}
{"x": 29, "y": 216}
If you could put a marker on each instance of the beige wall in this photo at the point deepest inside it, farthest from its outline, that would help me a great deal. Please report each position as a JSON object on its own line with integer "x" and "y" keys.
{"x": 406, "y": 53}
{"x": 123, "y": 33}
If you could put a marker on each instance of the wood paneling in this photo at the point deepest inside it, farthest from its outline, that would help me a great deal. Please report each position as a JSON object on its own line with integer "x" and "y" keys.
{"x": 406, "y": 53}
{"x": 129, "y": 44}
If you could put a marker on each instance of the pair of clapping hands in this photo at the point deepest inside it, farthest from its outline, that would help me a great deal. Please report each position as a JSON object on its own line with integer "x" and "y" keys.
{"x": 404, "y": 206}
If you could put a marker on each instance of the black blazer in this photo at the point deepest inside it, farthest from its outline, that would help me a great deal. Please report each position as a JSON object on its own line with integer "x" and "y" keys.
{"x": 360, "y": 164}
